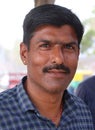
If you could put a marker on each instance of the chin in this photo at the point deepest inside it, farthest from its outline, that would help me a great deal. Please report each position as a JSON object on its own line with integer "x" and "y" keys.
{"x": 55, "y": 89}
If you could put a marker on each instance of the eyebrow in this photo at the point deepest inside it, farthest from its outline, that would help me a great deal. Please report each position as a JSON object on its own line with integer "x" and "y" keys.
{"x": 73, "y": 42}
{"x": 44, "y": 40}
{"x": 50, "y": 41}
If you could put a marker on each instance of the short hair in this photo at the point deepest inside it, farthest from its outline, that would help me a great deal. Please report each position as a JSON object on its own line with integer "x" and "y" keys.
{"x": 50, "y": 14}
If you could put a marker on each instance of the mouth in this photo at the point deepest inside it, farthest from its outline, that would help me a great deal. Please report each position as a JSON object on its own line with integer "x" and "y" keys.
{"x": 57, "y": 73}
{"x": 61, "y": 69}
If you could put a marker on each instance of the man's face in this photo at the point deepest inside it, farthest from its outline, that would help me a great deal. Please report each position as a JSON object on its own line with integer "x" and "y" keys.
{"x": 52, "y": 58}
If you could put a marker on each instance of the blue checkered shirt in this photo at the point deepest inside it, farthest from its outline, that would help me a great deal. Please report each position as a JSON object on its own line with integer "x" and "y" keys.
{"x": 17, "y": 112}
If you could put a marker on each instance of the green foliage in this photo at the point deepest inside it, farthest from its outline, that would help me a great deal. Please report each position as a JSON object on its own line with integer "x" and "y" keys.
{"x": 87, "y": 41}
{"x": 89, "y": 37}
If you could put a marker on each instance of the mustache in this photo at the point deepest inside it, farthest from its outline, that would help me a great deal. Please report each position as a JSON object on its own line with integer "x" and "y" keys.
{"x": 58, "y": 67}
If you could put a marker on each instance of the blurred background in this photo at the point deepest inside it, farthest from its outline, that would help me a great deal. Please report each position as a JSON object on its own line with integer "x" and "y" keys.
{"x": 12, "y": 13}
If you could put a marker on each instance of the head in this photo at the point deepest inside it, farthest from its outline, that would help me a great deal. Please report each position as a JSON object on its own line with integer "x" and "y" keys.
{"x": 50, "y": 48}
{"x": 50, "y": 15}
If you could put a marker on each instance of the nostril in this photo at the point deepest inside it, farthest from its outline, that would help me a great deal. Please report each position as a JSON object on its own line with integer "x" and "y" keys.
{"x": 57, "y": 60}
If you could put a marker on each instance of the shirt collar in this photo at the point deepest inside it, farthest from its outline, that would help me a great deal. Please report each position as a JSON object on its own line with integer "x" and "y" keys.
{"x": 23, "y": 97}
{"x": 26, "y": 104}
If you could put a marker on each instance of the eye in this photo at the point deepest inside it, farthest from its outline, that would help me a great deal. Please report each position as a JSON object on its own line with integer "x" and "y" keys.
{"x": 45, "y": 45}
{"x": 68, "y": 46}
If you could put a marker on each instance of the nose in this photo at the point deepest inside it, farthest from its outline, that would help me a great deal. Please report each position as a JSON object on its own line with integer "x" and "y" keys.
{"x": 57, "y": 55}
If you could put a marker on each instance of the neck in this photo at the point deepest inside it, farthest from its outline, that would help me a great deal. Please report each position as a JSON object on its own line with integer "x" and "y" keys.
{"x": 48, "y": 105}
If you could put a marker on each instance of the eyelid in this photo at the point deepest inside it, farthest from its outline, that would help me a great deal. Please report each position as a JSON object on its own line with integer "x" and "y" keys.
{"x": 44, "y": 45}
{"x": 69, "y": 46}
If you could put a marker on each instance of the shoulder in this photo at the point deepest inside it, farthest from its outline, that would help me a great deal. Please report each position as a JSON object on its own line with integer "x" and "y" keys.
{"x": 79, "y": 105}
{"x": 12, "y": 94}
{"x": 7, "y": 96}
{"x": 76, "y": 102}
{"x": 88, "y": 81}
{"x": 80, "y": 111}
{"x": 86, "y": 85}
{"x": 8, "y": 104}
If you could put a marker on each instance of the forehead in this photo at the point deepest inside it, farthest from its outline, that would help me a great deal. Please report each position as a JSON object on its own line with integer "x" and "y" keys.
{"x": 47, "y": 31}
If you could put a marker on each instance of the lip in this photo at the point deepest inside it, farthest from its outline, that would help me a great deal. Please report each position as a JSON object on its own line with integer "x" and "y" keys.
{"x": 57, "y": 73}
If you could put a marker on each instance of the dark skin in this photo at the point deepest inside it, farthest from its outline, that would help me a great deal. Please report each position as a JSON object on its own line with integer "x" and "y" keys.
{"x": 51, "y": 64}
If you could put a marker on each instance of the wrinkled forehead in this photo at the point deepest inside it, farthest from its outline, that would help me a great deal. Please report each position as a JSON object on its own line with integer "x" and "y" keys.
{"x": 56, "y": 34}
{"x": 59, "y": 31}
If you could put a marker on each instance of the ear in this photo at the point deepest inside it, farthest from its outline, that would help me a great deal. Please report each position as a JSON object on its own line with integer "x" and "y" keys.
{"x": 23, "y": 53}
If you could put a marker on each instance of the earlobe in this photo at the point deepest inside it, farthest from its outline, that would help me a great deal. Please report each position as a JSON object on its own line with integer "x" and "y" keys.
{"x": 23, "y": 53}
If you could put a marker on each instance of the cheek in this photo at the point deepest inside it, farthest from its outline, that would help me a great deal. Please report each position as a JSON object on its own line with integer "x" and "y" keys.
{"x": 38, "y": 60}
{"x": 74, "y": 64}
{"x": 36, "y": 63}
{"x": 72, "y": 61}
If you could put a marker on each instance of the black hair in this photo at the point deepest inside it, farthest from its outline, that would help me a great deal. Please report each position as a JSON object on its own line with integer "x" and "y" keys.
{"x": 50, "y": 14}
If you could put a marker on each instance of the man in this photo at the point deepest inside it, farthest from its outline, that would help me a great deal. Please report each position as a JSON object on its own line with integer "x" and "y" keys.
{"x": 86, "y": 91}
{"x": 50, "y": 50}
